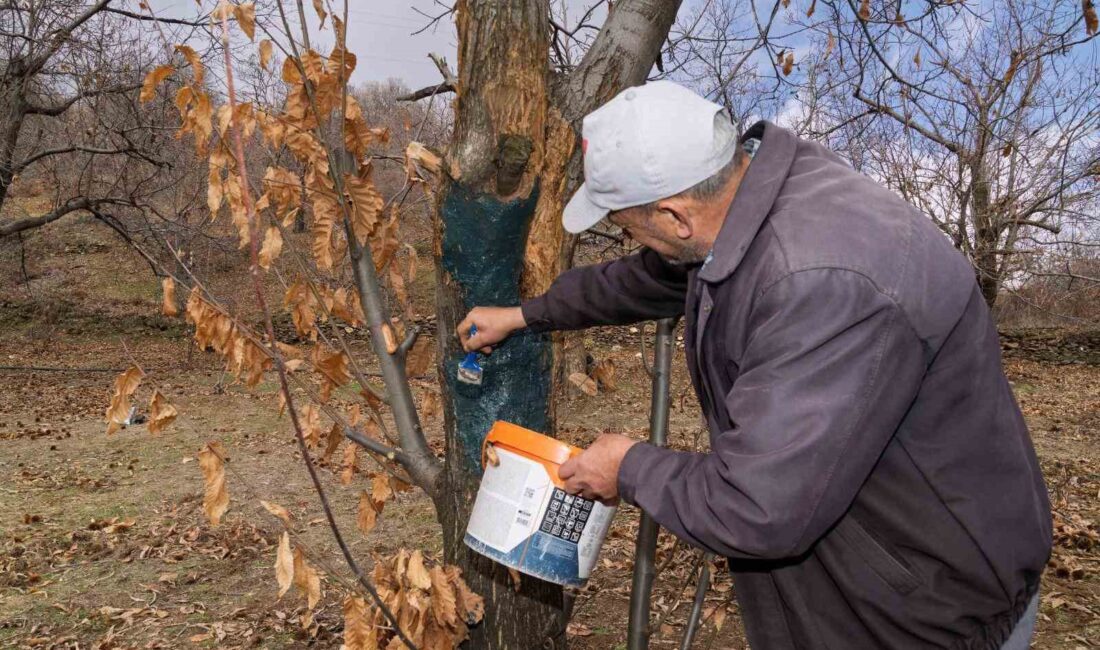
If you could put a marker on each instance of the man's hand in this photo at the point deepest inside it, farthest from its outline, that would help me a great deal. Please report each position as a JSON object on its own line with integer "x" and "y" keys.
{"x": 494, "y": 324}
{"x": 594, "y": 474}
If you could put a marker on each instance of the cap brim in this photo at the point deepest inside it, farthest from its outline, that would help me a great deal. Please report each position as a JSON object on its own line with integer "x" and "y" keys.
{"x": 581, "y": 213}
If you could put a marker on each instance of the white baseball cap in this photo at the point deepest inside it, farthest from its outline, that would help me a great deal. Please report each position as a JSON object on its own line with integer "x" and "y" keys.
{"x": 648, "y": 143}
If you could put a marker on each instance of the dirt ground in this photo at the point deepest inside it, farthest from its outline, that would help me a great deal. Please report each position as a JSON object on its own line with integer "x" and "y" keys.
{"x": 103, "y": 543}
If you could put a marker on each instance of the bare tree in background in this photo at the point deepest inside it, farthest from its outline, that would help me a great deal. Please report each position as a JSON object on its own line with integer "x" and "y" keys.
{"x": 69, "y": 78}
{"x": 983, "y": 115}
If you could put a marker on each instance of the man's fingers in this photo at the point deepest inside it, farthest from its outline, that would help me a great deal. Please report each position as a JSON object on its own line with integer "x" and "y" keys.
{"x": 487, "y": 350}
{"x": 567, "y": 469}
{"x": 463, "y": 329}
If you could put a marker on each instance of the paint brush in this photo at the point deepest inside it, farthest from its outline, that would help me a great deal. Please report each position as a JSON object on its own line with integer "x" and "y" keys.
{"x": 469, "y": 370}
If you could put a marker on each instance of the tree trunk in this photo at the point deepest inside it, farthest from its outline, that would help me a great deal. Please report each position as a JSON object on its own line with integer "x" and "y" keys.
{"x": 484, "y": 215}
{"x": 987, "y": 261}
{"x": 512, "y": 162}
{"x": 11, "y": 122}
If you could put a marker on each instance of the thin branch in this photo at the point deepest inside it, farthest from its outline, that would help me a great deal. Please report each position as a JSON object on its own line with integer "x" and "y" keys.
{"x": 58, "y": 109}
{"x": 170, "y": 21}
{"x": 426, "y": 92}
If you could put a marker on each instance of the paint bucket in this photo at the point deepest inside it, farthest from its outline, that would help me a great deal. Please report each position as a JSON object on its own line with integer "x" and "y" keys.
{"x": 522, "y": 518}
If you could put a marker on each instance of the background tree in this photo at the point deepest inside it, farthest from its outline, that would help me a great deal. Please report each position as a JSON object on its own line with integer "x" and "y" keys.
{"x": 983, "y": 115}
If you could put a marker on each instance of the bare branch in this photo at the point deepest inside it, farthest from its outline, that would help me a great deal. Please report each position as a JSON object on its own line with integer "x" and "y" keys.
{"x": 70, "y": 206}
{"x": 169, "y": 21}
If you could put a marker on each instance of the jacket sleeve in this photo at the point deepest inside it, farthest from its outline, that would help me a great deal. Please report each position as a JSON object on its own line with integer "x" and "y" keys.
{"x": 830, "y": 368}
{"x": 627, "y": 290}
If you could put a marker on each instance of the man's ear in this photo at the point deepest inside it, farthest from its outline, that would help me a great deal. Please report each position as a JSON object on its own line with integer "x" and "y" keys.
{"x": 676, "y": 210}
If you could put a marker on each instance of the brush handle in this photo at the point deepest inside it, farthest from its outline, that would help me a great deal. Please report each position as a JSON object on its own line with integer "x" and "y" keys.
{"x": 471, "y": 357}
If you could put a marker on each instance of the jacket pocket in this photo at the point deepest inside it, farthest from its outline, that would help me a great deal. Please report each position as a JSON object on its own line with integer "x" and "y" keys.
{"x": 888, "y": 567}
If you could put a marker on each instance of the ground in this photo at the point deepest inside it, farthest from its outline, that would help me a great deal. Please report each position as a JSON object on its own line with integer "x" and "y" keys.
{"x": 103, "y": 542}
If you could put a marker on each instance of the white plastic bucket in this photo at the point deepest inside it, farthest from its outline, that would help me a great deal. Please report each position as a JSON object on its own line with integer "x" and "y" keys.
{"x": 522, "y": 518}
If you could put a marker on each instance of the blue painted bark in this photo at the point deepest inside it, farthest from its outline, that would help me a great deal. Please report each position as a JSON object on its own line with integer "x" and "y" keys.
{"x": 483, "y": 241}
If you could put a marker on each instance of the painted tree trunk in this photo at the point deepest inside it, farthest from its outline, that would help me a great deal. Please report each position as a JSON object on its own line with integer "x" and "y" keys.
{"x": 512, "y": 162}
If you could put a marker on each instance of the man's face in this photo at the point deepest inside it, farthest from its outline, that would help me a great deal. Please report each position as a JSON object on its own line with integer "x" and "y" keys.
{"x": 661, "y": 231}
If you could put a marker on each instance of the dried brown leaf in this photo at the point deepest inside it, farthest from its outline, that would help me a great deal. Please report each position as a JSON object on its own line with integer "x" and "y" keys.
{"x": 215, "y": 500}
{"x": 273, "y": 245}
{"x": 154, "y": 79}
{"x": 444, "y": 599}
{"x": 335, "y": 436}
{"x": 277, "y": 510}
{"x": 367, "y": 516}
{"x": 585, "y": 383}
{"x": 318, "y": 6}
{"x": 306, "y": 579}
{"x": 168, "y": 297}
{"x": 359, "y": 630}
{"x": 864, "y": 10}
{"x": 416, "y": 573}
{"x": 119, "y": 409}
{"x": 351, "y": 462}
{"x": 284, "y": 564}
{"x": 266, "y": 51}
{"x": 245, "y": 14}
{"x": 471, "y": 607}
{"x": 193, "y": 59}
{"x": 161, "y": 413}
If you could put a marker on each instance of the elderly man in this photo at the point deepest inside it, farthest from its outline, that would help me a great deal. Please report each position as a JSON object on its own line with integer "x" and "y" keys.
{"x": 870, "y": 476}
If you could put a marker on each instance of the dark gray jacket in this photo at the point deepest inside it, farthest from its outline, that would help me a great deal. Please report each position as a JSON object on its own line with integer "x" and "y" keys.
{"x": 870, "y": 476}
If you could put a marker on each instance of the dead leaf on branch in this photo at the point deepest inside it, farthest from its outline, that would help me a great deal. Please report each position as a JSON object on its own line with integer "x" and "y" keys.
{"x": 195, "y": 62}
{"x": 153, "y": 80}
{"x": 273, "y": 245}
{"x": 266, "y": 51}
{"x": 161, "y": 413}
{"x": 444, "y": 601}
{"x": 119, "y": 409}
{"x": 277, "y": 510}
{"x": 335, "y": 436}
{"x": 306, "y": 579}
{"x": 168, "y": 301}
{"x": 416, "y": 572}
{"x": 215, "y": 499}
{"x": 284, "y": 564}
{"x": 351, "y": 464}
{"x": 864, "y": 10}
{"x": 366, "y": 203}
{"x": 245, "y": 13}
{"x": 389, "y": 338}
{"x": 309, "y": 420}
{"x": 333, "y": 368}
{"x": 318, "y": 6}
{"x": 367, "y": 516}
{"x": 359, "y": 630}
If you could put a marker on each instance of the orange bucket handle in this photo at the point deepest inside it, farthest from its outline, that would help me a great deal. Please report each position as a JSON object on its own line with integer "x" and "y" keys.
{"x": 528, "y": 442}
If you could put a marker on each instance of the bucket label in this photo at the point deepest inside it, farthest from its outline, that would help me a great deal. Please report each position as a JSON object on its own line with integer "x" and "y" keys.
{"x": 523, "y": 520}
{"x": 508, "y": 501}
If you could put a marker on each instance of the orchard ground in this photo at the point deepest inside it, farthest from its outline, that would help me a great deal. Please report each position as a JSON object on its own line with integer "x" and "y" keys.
{"x": 103, "y": 542}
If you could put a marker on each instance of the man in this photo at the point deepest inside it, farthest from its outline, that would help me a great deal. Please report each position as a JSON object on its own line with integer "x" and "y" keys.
{"x": 870, "y": 476}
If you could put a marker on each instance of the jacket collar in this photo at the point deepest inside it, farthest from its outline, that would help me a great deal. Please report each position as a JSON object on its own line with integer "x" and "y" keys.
{"x": 753, "y": 201}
